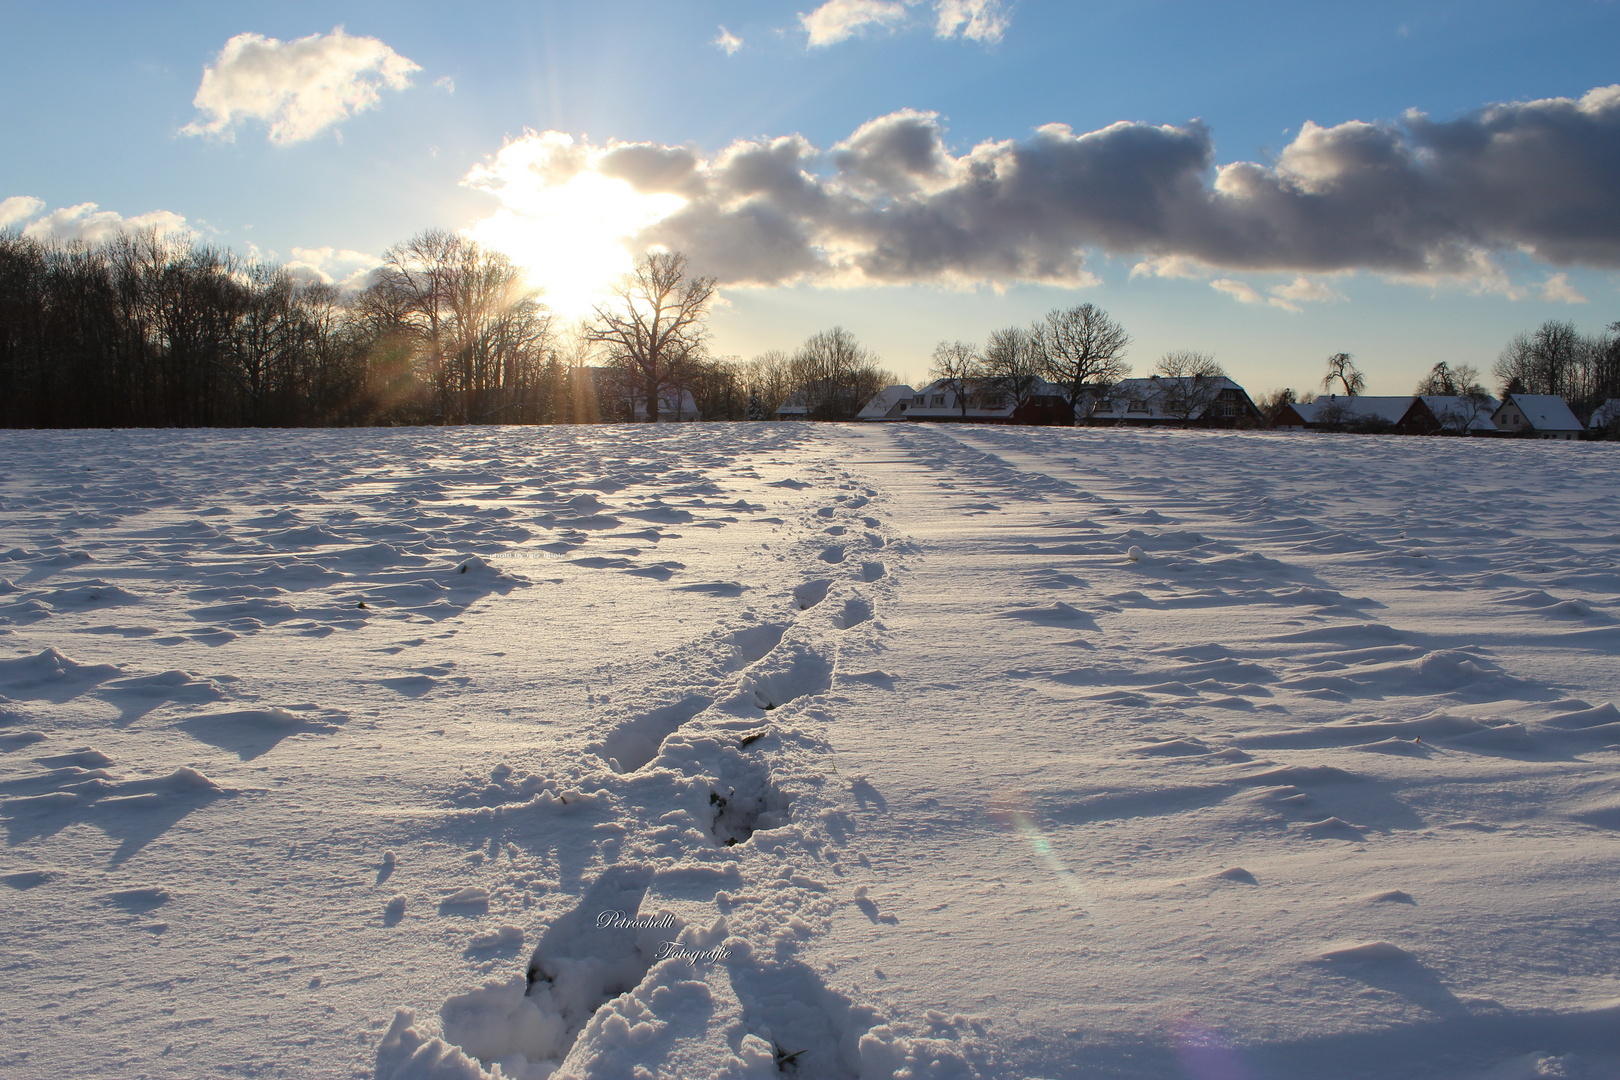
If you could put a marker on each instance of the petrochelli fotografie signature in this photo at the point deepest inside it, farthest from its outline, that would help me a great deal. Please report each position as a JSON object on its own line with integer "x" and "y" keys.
{"x": 618, "y": 920}
{"x": 675, "y": 949}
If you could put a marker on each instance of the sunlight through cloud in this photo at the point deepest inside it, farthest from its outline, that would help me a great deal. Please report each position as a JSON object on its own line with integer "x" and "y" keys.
{"x": 563, "y": 221}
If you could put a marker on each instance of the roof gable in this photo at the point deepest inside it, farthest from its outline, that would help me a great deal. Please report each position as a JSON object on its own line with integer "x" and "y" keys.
{"x": 1545, "y": 412}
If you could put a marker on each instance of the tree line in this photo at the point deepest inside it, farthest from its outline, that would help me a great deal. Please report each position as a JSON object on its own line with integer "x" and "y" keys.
{"x": 148, "y": 330}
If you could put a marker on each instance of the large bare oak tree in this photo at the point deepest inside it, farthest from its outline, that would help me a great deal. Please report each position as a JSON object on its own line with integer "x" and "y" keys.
{"x": 655, "y": 322}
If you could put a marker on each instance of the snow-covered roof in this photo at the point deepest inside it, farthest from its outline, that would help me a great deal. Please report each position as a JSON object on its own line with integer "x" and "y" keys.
{"x": 1147, "y": 394}
{"x": 884, "y": 400}
{"x": 1606, "y": 413}
{"x": 1359, "y": 406}
{"x": 1545, "y": 412}
{"x": 922, "y": 401}
{"x": 1478, "y": 412}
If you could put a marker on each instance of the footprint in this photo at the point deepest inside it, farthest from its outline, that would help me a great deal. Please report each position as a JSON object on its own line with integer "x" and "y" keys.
{"x": 856, "y": 611}
{"x": 832, "y": 553}
{"x": 871, "y": 571}
{"x": 791, "y": 671}
{"x": 634, "y": 743}
{"x": 591, "y": 954}
{"x": 811, "y": 593}
{"x": 755, "y": 642}
{"x": 755, "y": 805}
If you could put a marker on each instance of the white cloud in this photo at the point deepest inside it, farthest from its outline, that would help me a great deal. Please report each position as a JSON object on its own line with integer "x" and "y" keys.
{"x": 1171, "y": 266}
{"x": 1241, "y": 291}
{"x": 86, "y": 222}
{"x": 18, "y": 209}
{"x": 299, "y": 88}
{"x": 727, "y": 42}
{"x": 1303, "y": 290}
{"x": 445, "y": 83}
{"x": 838, "y": 20}
{"x": 348, "y": 270}
{"x": 977, "y": 20}
{"x": 1558, "y": 288}
{"x": 1288, "y": 296}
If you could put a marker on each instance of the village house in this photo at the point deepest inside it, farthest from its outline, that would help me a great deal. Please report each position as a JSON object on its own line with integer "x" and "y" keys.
{"x": 1434, "y": 414}
{"x": 1333, "y": 412}
{"x": 888, "y": 404}
{"x": 989, "y": 403}
{"x": 1537, "y": 416}
{"x": 611, "y": 394}
{"x": 1604, "y": 417}
{"x": 1161, "y": 400}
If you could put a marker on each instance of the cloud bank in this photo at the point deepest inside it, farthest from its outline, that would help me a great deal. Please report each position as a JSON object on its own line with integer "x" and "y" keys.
{"x": 86, "y": 222}
{"x": 1419, "y": 200}
{"x": 839, "y": 20}
{"x": 299, "y": 88}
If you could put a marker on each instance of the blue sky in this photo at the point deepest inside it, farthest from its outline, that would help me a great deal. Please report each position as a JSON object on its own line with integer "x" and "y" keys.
{"x": 100, "y": 99}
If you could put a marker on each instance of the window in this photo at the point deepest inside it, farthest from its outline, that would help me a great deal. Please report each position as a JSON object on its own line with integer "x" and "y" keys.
{"x": 939, "y": 400}
{"x": 1137, "y": 405}
{"x": 917, "y": 401}
{"x": 1105, "y": 406}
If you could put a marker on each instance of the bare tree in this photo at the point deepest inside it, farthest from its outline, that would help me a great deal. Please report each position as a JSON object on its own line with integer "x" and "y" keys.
{"x": 1013, "y": 363}
{"x": 836, "y": 375}
{"x": 480, "y": 331}
{"x": 769, "y": 378}
{"x": 1458, "y": 415}
{"x": 1548, "y": 361}
{"x": 1443, "y": 380}
{"x": 1187, "y": 384}
{"x": 1273, "y": 402}
{"x": 655, "y": 321}
{"x": 958, "y": 366}
{"x": 1341, "y": 368}
{"x": 1083, "y": 351}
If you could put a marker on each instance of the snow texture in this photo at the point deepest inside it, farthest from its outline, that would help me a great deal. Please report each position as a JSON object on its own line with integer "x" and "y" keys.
{"x": 748, "y": 751}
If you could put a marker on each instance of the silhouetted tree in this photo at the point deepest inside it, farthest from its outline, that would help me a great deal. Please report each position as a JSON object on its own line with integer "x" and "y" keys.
{"x": 1014, "y": 364}
{"x": 1082, "y": 349}
{"x": 1341, "y": 369}
{"x": 657, "y": 319}
{"x": 957, "y": 366}
{"x": 1187, "y": 384}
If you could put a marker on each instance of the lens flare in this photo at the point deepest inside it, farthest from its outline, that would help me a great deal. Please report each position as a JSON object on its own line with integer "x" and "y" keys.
{"x": 1011, "y": 810}
{"x": 1205, "y": 1055}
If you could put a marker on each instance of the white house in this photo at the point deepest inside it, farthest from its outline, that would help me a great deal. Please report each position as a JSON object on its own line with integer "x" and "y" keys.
{"x": 1217, "y": 402}
{"x": 889, "y": 404}
{"x": 1605, "y": 414}
{"x": 989, "y": 403}
{"x": 673, "y": 405}
{"x": 1539, "y": 416}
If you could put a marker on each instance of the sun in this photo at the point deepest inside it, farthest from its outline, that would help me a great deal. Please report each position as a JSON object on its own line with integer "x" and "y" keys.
{"x": 569, "y": 235}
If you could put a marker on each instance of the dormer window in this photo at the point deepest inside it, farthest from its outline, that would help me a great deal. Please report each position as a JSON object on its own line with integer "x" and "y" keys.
{"x": 939, "y": 401}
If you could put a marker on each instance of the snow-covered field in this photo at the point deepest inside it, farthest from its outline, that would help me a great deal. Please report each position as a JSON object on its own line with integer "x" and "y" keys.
{"x": 899, "y": 751}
